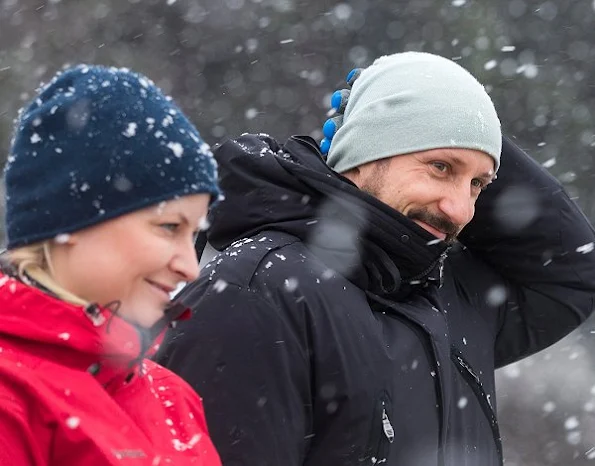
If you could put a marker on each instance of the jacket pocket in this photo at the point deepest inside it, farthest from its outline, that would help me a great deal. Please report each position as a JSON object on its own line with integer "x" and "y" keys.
{"x": 382, "y": 433}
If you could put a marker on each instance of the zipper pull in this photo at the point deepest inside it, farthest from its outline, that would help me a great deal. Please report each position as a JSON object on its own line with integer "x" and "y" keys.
{"x": 442, "y": 259}
{"x": 387, "y": 426}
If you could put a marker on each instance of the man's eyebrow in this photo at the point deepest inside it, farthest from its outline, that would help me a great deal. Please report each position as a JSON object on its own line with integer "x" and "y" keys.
{"x": 488, "y": 177}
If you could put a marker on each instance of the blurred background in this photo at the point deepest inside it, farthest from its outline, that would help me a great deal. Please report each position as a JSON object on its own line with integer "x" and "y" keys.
{"x": 270, "y": 66}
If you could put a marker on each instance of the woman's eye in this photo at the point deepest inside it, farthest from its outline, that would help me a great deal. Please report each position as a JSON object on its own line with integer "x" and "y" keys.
{"x": 170, "y": 226}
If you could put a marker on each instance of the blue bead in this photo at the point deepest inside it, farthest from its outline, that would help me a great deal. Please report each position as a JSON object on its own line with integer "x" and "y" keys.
{"x": 353, "y": 75}
{"x": 350, "y": 74}
{"x": 336, "y": 99}
{"x": 325, "y": 145}
{"x": 329, "y": 128}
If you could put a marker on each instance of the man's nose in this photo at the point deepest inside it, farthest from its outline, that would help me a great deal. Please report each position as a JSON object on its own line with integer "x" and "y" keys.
{"x": 458, "y": 206}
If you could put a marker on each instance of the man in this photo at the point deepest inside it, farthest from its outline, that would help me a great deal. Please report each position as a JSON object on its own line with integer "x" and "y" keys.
{"x": 357, "y": 319}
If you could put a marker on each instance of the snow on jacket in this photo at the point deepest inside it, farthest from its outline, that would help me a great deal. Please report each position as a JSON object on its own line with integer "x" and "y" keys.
{"x": 322, "y": 336}
{"x": 74, "y": 390}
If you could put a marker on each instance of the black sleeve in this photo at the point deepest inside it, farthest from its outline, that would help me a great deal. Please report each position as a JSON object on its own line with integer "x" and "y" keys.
{"x": 531, "y": 233}
{"x": 251, "y": 370}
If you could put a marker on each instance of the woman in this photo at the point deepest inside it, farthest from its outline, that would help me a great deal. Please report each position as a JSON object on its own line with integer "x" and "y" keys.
{"x": 107, "y": 183}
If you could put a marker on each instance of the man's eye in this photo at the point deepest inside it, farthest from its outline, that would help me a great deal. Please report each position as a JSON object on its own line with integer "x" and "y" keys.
{"x": 440, "y": 166}
{"x": 477, "y": 183}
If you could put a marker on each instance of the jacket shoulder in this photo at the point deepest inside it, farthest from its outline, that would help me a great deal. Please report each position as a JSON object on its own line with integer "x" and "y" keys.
{"x": 273, "y": 266}
{"x": 240, "y": 263}
{"x": 249, "y": 144}
{"x": 262, "y": 144}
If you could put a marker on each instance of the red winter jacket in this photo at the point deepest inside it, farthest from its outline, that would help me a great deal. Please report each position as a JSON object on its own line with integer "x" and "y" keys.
{"x": 72, "y": 390}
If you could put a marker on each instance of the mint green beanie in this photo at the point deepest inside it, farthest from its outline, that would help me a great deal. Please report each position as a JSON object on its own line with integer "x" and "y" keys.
{"x": 411, "y": 102}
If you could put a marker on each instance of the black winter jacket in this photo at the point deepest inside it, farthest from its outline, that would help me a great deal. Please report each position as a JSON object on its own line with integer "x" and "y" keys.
{"x": 333, "y": 332}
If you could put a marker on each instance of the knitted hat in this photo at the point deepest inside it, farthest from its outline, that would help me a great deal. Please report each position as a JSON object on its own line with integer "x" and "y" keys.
{"x": 97, "y": 143}
{"x": 412, "y": 102}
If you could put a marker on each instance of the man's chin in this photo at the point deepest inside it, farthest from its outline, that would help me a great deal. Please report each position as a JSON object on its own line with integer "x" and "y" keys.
{"x": 450, "y": 239}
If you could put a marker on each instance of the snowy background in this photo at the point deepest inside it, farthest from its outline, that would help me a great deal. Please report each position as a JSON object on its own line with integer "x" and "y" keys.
{"x": 271, "y": 65}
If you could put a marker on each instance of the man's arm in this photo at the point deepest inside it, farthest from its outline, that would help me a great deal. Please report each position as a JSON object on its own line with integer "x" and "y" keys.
{"x": 530, "y": 232}
{"x": 251, "y": 370}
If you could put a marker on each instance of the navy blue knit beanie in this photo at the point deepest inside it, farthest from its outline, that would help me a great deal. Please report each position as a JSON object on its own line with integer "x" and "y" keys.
{"x": 94, "y": 144}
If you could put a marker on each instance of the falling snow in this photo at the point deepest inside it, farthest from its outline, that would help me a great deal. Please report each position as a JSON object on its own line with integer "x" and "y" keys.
{"x": 73, "y": 422}
{"x": 571, "y": 423}
{"x": 549, "y": 163}
{"x": 62, "y": 238}
{"x": 220, "y": 285}
{"x": 204, "y": 224}
{"x": 490, "y": 65}
{"x": 586, "y": 248}
{"x": 291, "y": 284}
{"x": 130, "y": 130}
{"x": 239, "y": 65}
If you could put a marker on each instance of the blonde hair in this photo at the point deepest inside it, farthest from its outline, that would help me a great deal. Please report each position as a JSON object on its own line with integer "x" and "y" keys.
{"x": 33, "y": 262}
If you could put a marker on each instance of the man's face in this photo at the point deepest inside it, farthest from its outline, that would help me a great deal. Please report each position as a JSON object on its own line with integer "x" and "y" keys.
{"x": 437, "y": 189}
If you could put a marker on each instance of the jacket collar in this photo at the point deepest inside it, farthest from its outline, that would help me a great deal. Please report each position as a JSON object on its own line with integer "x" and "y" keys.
{"x": 92, "y": 338}
{"x": 290, "y": 188}
{"x": 392, "y": 255}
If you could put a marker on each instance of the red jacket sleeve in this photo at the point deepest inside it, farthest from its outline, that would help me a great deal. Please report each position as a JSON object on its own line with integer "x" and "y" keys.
{"x": 185, "y": 411}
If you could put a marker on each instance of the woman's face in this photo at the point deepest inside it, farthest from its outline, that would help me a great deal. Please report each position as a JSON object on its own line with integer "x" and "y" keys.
{"x": 137, "y": 259}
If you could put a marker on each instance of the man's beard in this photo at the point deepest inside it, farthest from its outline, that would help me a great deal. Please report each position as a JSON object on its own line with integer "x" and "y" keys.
{"x": 436, "y": 221}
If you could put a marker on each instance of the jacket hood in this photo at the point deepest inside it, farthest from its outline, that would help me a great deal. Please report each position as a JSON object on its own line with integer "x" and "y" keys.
{"x": 290, "y": 188}
{"x": 92, "y": 338}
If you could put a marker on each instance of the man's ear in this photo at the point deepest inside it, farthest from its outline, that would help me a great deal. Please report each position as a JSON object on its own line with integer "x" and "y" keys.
{"x": 353, "y": 175}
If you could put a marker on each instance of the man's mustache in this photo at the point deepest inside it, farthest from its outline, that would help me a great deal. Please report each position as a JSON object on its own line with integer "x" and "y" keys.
{"x": 436, "y": 221}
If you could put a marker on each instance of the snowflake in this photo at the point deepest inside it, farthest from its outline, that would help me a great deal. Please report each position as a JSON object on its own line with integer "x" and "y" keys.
{"x": 130, "y": 130}
{"x": 73, "y": 422}
{"x": 176, "y": 148}
{"x": 586, "y": 248}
